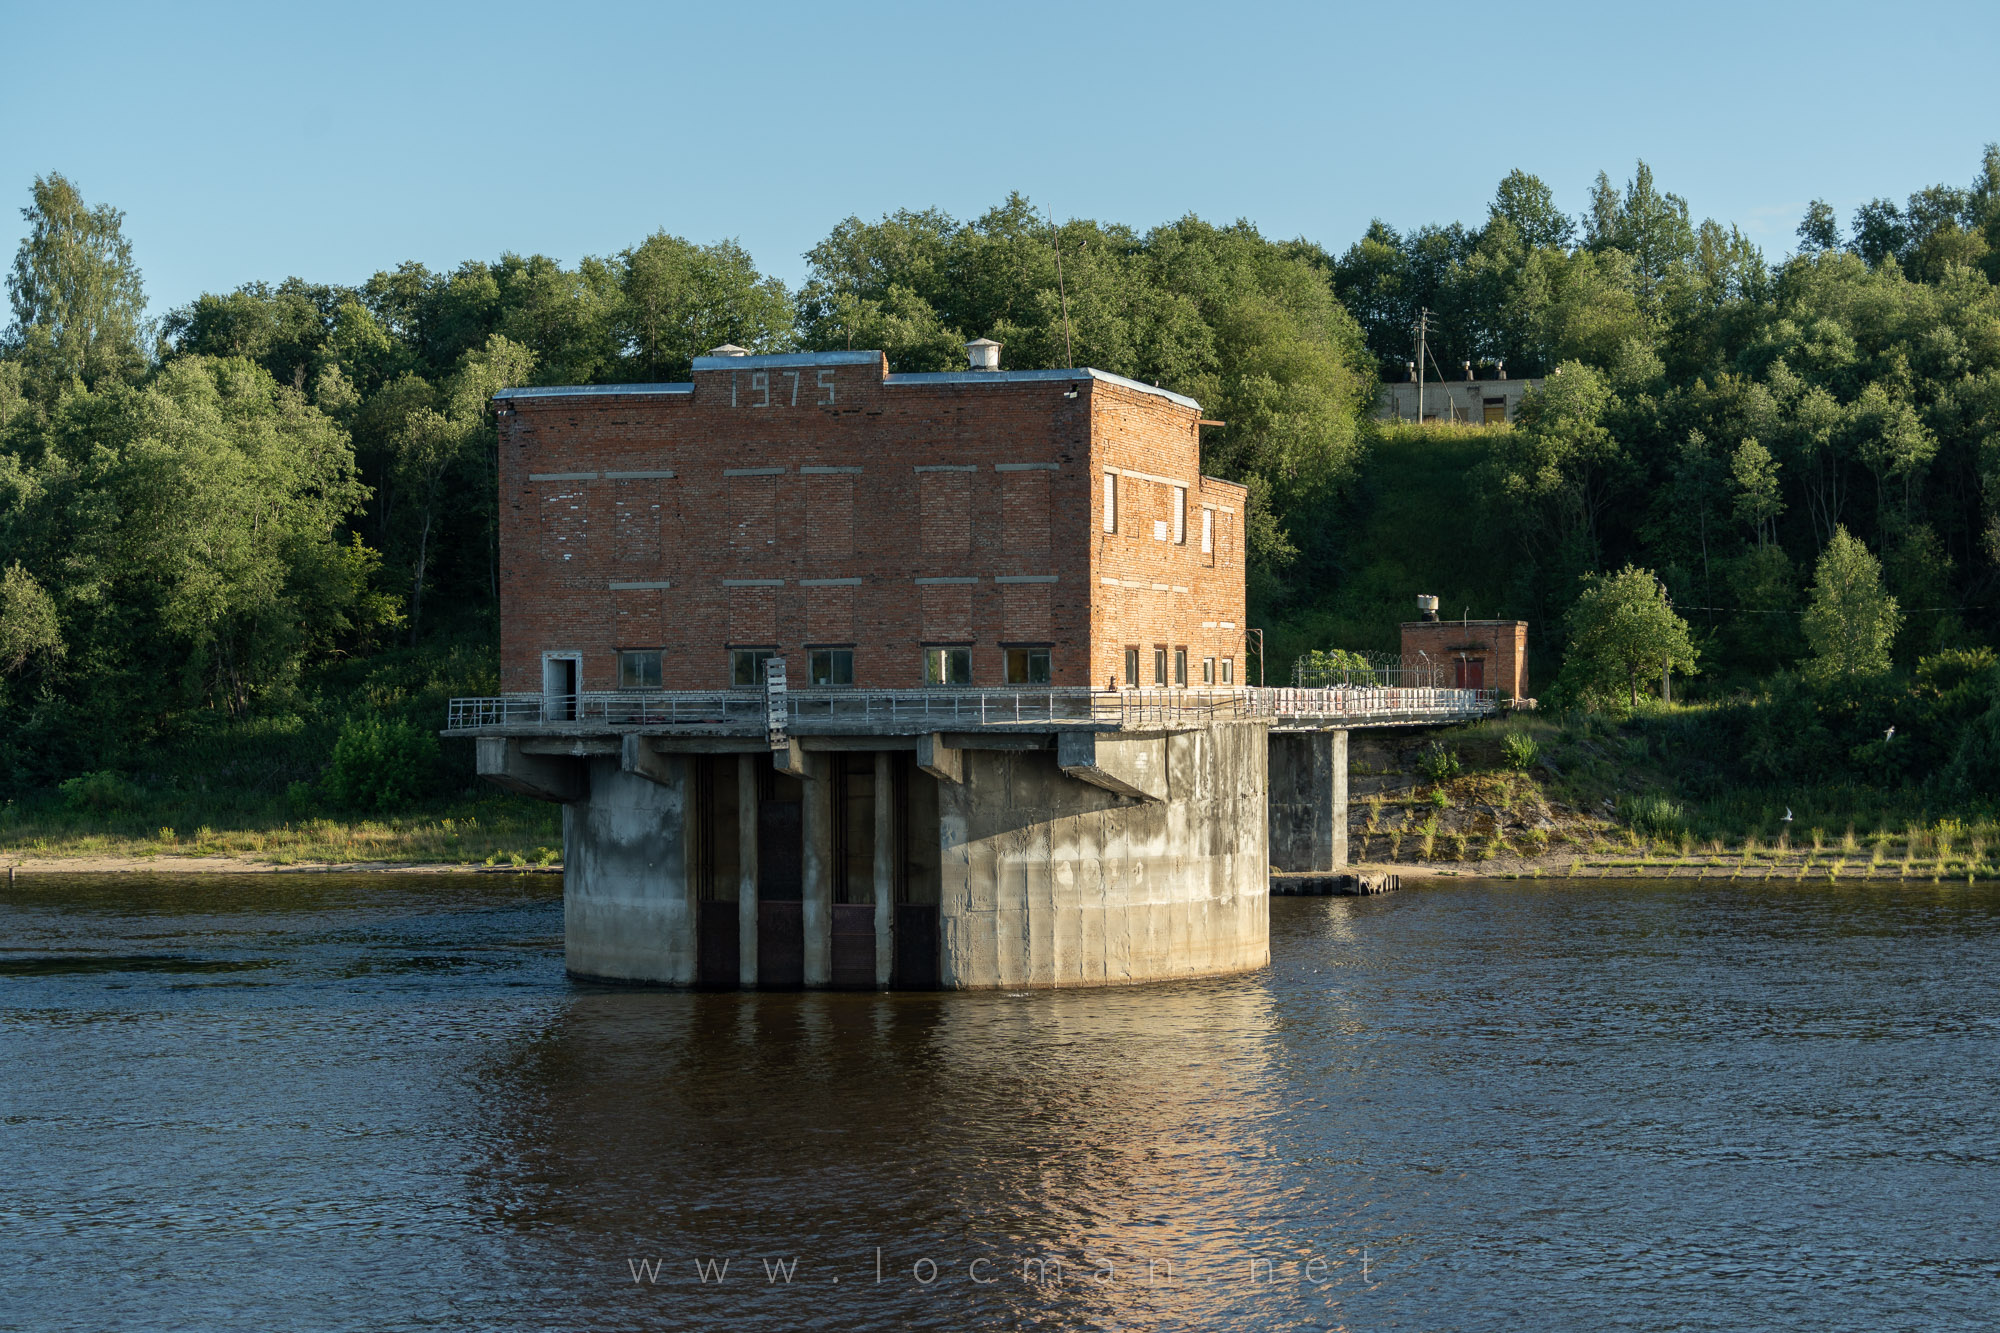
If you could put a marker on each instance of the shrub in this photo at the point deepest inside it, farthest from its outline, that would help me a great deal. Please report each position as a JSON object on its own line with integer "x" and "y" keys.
{"x": 102, "y": 792}
{"x": 381, "y": 765}
{"x": 1520, "y": 750}
{"x": 1437, "y": 761}
{"x": 1657, "y": 817}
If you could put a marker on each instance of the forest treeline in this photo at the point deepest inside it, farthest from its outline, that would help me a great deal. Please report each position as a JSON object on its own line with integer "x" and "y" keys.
{"x": 278, "y": 502}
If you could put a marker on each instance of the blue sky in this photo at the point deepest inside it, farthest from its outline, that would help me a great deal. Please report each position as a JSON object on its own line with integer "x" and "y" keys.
{"x": 250, "y": 142}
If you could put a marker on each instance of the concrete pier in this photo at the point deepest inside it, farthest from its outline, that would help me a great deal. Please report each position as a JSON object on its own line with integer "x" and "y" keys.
{"x": 1308, "y": 805}
{"x": 1037, "y": 860}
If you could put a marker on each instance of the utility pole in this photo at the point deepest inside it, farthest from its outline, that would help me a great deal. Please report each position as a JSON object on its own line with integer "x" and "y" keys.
{"x": 1423, "y": 349}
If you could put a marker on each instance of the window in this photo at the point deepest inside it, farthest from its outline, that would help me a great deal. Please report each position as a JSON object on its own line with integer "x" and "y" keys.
{"x": 1208, "y": 671}
{"x": 1159, "y": 666}
{"x": 639, "y": 669}
{"x": 1228, "y": 671}
{"x": 1180, "y": 667}
{"x": 1132, "y": 668}
{"x": 947, "y": 666}
{"x": 1111, "y": 502}
{"x": 1208, "y": 532}
{"x": 1027, "y": 666}
{"x": 830, "y": 666}
{"x": 746, "y": 667}
{"x": 1180, "y": 516}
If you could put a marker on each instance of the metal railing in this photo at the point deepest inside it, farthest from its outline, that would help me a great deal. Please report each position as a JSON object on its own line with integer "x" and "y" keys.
{"x": 731, "y": 711}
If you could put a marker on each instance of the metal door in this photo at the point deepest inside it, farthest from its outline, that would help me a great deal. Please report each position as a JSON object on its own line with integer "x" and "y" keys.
{"x": 717, "y": 946}
{"x": 854, "y": 945}
{"x": 916, "y": 944}
{"x": 1472, "y": 673}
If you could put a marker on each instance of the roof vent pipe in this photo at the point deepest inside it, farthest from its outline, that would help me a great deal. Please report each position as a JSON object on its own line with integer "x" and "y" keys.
{"x": 1427, "y": 606}
{"x": 729, "y": 349}
{"x": 982, "y": 354}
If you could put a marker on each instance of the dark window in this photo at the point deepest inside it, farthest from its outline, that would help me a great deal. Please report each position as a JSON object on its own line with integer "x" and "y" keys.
{"x": 1208, "y": 671}
{"x": 1132, "y": 667}
{"x": 639, "y": 669}
{"x": 1180, "y": 667}
{"x": 1228, "y": 671}
{"x": 746, "y": 667}
{"x": 831, "y": 666}
{"x": 947, "y": 666}
{"x": 1027, "y": 666}
{"x": 1159, "y": 666}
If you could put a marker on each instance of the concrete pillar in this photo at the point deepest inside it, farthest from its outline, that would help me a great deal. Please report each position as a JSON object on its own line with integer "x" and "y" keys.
{"x": 816, "y": 818}
{"x": 626, "y": 900}
{"x": 885, "y": 870}
{"x": 1337, "y": 816}
{"x": 1308, "y": 800}
{"x": 746, "y": 872}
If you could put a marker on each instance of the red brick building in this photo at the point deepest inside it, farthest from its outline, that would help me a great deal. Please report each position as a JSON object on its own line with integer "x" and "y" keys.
{"x": 1472, "y": 654}
{"x": 978, "y": 528}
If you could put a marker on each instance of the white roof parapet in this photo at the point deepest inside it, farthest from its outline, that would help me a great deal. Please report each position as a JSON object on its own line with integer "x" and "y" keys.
{"x": 783, "y": 360}
{"x": 1038, "y": 376}
{"x": 572, "y": 390}
{"x": 780, "y": 360}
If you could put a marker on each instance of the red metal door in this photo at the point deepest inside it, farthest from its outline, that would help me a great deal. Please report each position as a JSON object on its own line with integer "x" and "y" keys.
{"x": 1472, "y": 673}
{"x": 854, "y": 946}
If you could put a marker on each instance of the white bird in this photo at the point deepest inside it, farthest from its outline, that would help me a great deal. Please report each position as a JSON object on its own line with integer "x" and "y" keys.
{"x": 1788, "y": 816}
{"x": 1889, "y": 735}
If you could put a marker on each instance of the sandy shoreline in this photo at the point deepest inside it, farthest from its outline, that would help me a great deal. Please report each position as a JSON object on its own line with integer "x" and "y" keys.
{"x": 244, "y": 865}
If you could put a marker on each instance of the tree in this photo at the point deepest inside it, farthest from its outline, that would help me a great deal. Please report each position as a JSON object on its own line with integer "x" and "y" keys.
{"x": 678, "y": 300}
{"x": 1530, "y": 207}
{"x": 28, "y": 624}
{"x": 1851, "y": 619}
{"x": 1622, "y": 630}
{"x": 78, "y": 298}
{"x": 1758, "y": 501}
{"x": 1821, "y": 229}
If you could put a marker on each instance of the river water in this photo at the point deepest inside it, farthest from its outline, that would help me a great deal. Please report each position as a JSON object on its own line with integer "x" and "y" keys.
{"x": 375, "y": 1102}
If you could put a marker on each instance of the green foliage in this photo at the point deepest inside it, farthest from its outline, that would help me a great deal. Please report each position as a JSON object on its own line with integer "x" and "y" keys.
{"x": 1852, "y": 619}
{"x": 1438, "y": 761}
{"x": 77, "y": 296}
{"x": 380, "y": 765}
{"x": 1656, "y": 817}
{"x": 1520, "y": 751}
{"x": 100, "y": 792}
{"x": 1337, "y": 666}
{"x": 28, "y": 625}
{"x": 1622, "y": 629}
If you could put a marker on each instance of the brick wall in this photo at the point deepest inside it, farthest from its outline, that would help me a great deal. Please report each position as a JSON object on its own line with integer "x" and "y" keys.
{"x": 1501, "y": 646}
{"x": 793, "y": 501}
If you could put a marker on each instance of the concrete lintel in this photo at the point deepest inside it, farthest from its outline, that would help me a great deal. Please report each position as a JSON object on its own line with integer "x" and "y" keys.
{"x": 573, "y": 747}
{"x": 941, "y": 761}
{"x": 792, "y": 760}
{"x": 706, "y": 744}
{"x": 1129, "y": 766}
{"x": 503, "y": 763}
{"x": 997, "y": 740}
{"x": 817, "y": 743}
{"x": 638, "y": 756}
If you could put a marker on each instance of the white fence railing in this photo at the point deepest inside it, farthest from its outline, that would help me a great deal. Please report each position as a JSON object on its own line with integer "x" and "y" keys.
{"x": 961, "y": 709}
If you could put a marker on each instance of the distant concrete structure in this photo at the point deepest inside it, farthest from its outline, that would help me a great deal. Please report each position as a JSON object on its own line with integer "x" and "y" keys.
{"x": 1470, "y": 654}
{"x": 1471, "y": 401}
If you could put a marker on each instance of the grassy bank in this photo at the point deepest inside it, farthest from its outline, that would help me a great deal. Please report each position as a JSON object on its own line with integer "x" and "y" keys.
{"x": 1588, "y": 795}
{"x": 481, "y": 830}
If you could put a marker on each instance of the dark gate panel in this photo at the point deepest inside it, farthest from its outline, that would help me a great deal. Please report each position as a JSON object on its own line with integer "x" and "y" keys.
{"x": 780, "y": 850}
{"x": 781, "y": 944}
{"x": 717, "y": 944}
{"x": 1471, "y": 673}
{"x": 916, "y": 946}
{"x": 854, "y": 945}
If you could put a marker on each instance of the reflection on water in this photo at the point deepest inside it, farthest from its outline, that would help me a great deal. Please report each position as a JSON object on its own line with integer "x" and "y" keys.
{"x": 374, "y": 1102}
